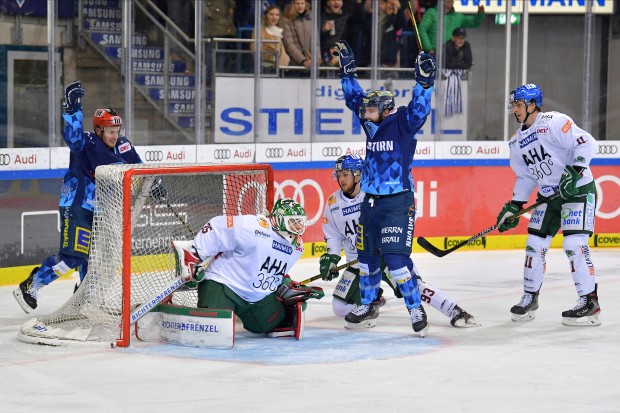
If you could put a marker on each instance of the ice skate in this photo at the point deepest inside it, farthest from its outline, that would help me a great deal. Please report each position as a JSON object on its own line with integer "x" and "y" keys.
{"x": 585, "y": 313}
{"x": 462, "y": 319}
{"x": 26, "y": 293}
{"x": 419, "y": 322}
{"x": 526, "y": 309}
{"x": 380, "y": 299}
{"x": 362, "y": 316}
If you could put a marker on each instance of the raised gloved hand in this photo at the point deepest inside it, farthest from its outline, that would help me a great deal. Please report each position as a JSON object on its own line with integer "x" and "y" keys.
{"x": 72, "y": 101}
{"x": 425, "y": 68}
{"x": 158, "y": 191}
{"x": 568, "y": 182}
{"x": 291, "y": 292}
{"x": 328, "y": 266}
{"x": 506, "y": 219}
{"x": 346, "y": 59}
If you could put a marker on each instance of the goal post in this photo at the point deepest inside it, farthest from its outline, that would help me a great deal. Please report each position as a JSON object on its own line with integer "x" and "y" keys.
{"x": 131, "y": 257}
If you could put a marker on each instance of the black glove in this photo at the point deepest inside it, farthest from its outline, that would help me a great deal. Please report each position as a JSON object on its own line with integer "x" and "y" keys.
{"x": 73, "y": 98}
{"x": 158, "y": 191}
{"x": 346, "y": 59}
{"x": 504, "y": 220}
{"x": 425, "y": 68}
{"x": 568, "y": 182}
{"x": 327, "y": 264}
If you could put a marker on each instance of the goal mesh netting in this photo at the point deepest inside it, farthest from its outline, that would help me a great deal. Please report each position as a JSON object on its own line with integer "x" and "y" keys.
{"x": 131, "y": 258}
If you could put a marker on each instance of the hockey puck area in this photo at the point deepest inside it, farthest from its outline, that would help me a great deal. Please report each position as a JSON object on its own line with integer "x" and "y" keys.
{"x": 319, "y": 346}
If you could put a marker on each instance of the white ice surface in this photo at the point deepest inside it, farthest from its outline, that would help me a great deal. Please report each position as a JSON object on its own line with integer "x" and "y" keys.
{"x": 540, "y": 366}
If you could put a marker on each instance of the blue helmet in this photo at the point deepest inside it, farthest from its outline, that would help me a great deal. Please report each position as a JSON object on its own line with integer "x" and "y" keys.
{"x": 353, "y": 163}
{"x": 527, "y": 93}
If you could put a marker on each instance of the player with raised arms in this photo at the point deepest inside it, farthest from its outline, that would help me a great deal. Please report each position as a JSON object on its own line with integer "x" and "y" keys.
{"x": 388, "y": 205}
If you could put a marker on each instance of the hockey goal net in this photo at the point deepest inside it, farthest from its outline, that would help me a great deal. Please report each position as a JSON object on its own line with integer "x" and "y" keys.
{"x": 131, "y": 258}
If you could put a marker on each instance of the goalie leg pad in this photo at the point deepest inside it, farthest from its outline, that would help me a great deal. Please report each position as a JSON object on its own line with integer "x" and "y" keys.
{"x": 292, "y": 325}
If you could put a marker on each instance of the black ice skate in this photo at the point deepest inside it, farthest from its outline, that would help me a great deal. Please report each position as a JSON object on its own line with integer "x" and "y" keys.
{"x": 462, "y": 319}
{"x": 585, "y": 313}
{"x": 26, "y": 293}
{"x": 526, "y": 309}
{"x": 419, "y": 322}
{"x": 363, "y": 316}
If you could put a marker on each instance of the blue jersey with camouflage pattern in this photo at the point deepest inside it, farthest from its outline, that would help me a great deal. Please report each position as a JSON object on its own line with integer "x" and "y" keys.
{"x": 390, "y": 145}
{"x": 88, "y": 152}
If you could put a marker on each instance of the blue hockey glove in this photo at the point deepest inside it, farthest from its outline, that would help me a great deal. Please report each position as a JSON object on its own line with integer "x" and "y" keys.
{"x": 568, "y": 182}
{"x": 505, "y": 219}
{"x": 327, "y": 264}
{"x": 73, "y": 98}
{"x": 158, "y": 191}
{"x": 346, "y": 59}
{"x": 425, "y": 68}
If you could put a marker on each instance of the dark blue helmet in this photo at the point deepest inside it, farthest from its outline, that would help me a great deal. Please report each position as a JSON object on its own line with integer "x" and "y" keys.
{"x": 380, "y": 99}
{"x": 527, "y": 93}
{"x": 353, "y": 163}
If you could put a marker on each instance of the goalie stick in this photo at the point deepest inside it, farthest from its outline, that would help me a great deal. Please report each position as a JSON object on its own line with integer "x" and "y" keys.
{"x": 424, "y": 243}
{"x": 318, "y": 276}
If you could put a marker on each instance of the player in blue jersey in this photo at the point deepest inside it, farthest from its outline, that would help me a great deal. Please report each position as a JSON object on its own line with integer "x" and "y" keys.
{"x": 387, "y": 215}
{"x": 88, "y": 151}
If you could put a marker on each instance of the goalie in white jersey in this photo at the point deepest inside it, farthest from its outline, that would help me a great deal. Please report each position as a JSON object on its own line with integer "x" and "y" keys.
{"x": 253, "y": 255}
{"x": 550, "y": 154}
{"x": 340, "y": 220}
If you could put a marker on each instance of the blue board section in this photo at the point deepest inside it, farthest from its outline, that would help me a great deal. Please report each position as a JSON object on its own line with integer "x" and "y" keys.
{"x": 158, "y": 80}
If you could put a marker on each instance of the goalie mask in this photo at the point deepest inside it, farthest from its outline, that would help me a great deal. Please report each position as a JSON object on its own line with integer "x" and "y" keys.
{"x": 288, "y": 218}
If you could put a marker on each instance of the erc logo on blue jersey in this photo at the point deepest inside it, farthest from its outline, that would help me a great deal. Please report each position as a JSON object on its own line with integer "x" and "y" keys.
{"x": 281, "y": 247}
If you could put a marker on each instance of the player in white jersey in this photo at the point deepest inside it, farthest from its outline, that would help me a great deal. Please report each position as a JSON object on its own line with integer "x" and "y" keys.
{"x": 550, "y": 154}
{"x": 253, "y": 255}
{"x": 340, "y": 221}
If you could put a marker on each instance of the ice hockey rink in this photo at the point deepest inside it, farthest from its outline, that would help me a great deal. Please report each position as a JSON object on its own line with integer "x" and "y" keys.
{"x": 540, "y": 366}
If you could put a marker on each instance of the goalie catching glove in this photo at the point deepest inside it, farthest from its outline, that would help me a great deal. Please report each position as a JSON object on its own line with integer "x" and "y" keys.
{"x": 291, "y": 292}
{"x": 188, "y": 263}
{"x": 328, "y": 266}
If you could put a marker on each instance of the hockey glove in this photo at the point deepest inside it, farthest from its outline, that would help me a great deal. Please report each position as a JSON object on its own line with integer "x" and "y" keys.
{"x": 425, "y": 68}
{"x": 346, "y": 59}
{"x": 158, "y": 191}
{"x": 73, "y": 98}
{"x": 506, "y": 219}
{"x": 568, "y": 182}
{"x": 188, "y": 263}
{"x": 291, "y": 292}
{"x": 327, "y": 264}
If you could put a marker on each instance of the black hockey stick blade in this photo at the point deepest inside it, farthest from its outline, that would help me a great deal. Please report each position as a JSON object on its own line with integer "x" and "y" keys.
{"x": 318, "y": 276}
{"x": 424, "y": 243}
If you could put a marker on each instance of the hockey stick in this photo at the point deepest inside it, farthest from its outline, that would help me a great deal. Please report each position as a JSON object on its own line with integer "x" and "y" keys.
{"x": 424, "y": 243}
{"x": 415, "y": 27}
{"x": 163, "y": 293}
{"x": 180, "y": 218}
{"x": 318, "y": 276}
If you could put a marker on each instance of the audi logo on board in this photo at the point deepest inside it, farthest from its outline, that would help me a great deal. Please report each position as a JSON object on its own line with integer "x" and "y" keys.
{"x": 274, "y": 152}
{"x": 5, "y": 159}
{"x": 607, "y": 150}
{"x": 332, "y": 151}
{"x": 222, "y": 154}
{"x": 154, "y": 156}
{"x": 461, "y": 150}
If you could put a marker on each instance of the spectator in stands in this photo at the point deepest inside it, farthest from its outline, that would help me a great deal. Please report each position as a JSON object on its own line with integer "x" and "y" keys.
{"x": 458, "y": 51}
{"x": 297, "y": 35}
{"x": 271, "y": 30}
{"x": 452, "y": 20}
{"x": 333, "y": 28}
{"x": 218, "y": 18}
